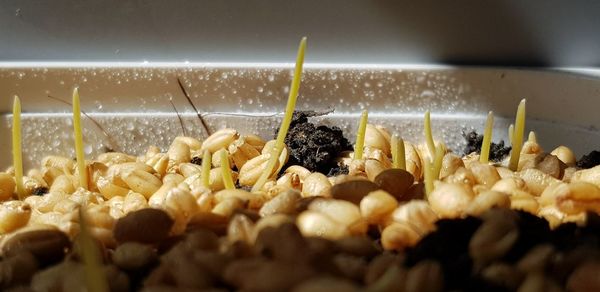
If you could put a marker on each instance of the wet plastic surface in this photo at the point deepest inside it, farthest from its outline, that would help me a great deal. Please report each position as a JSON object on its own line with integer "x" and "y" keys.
{"x": 131, "y": 102}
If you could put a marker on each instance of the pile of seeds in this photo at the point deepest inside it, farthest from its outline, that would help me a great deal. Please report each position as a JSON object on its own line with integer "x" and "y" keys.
{"x": 158, "y": 227}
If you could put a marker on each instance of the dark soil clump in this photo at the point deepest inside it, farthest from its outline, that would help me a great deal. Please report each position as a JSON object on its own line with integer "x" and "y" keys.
{"x": 590, "y": 160}
{"x": 497, "y": 151}
{"x": 315, "y": 147}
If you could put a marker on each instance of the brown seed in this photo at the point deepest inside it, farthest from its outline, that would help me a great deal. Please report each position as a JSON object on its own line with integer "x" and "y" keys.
{"x": 536, "y": 259}
{"x": 502, "y": 275}
{"x": 48, "y": 246}
{"x": 283, "y": 243}
{"x": 144, "y": 226}
{"x": 585, "y": 278}
{"x": 539, "y": 282}
{"x": 326, "y": 284}
{"x": 378, "y": 267}
{"x": 416, "y": 192}
{"x": 425, "y": 276}
{"x": 547, "y": 163}
{"x": 302, "y": 204}
{"x": 493, "y": 239}
{"x": 351, "y": 267}
{"x": 353, "y": 191}
{"x": 259, "y": 274}
{"x": 201, "y": 239}
{"x": 396, "y": 182}
{"x": 392, "y": 280}
{"x": 17, "y": 270}
{"x": 358, "y": 246}
{"x": 132, "y": 255}
{"x": 211, "y": 221}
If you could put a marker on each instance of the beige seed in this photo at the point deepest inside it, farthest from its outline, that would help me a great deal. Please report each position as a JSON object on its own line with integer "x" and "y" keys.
{"x": 377, "y": 205}
{"x": 376, "y": 154}
{"x": 142, "y": 182}
{"x": 413, "y": 161}
{"x": 283, "y": 157}
{"x": 283, "y": 203}
{"x": 219, "y": 139}
{"x": 118, "y": 171}
{"x": 134, "y": 201}
{"x": 13, "y": 215}
{"x": 30, "y": 184}
{"x": 7, "y": 186}
{"x": 450, "y": 200}
{"x": 173, "y": 178}
{"x": 64, "y": 184}
{"x": 253, "y": 168}
{"x": 373, "y": 168}
{"x": 189, "y": 169}
{"x": 193, "y": 143}
{"x": 316, "y": 184}
{"x": 487, "y": 200}
{"x": 590, "y": 175}
{"x": 50, "y": 200}
{"x": 240, "y": 228}
{"x": 398, "y": 236}
{"x": 298, "y": 170}
{"x": 257, "y": 142}
{"x": 343, "y": 212}
{"x": 150, "y": 152}
{"x": 573, "y": 198}
{"x": 181, "y": 202}
{"x": 215, "y": 181}
{"x": 564, "y": 154}
{"x": 159, "y": 162}
{"x": 112, "y": 158}
{"x": 178, "y": 152}
{"x": 158, "y": 198}
{"x": 520, "y": 200}
{"x": 509, "y": 185}
{"x": 536, "y": 180}
{"x": 227, "y": 206}
{"x": 462, "y": 176}
{"x": 376, "y": 138}
{"x": 289, "y": 181}
{"x": 504, "y": 172}
{"x": 254, "y": 200}
{"x": 450, "y": 164}
{"x": 418, "y": 214}
{"x": 206, "y": 202}
{"x": 63, "y": 163}
{"x": 241, "y": 151}
{"x": 484, "y": 173}
{"x": 110, "y": 190}
{"x": 312, "y": 223}
{"x": 51, "y": 173}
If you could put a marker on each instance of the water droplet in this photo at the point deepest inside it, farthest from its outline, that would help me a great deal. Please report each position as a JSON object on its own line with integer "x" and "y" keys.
{"x": 87, "y": 149}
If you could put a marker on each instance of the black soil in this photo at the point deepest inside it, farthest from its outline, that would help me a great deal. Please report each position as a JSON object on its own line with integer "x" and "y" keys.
{"x": 197, "y": 160}
{"x": 315, "y": 147}
{"x": 590, "y": 160}
{"x": 40, "y": 191}
{"x": 497, "y": 151}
